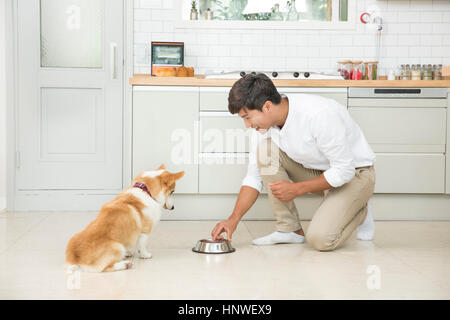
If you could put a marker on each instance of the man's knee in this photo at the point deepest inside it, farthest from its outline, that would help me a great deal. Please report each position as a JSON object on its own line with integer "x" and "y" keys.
{"x": 321, "y": 241}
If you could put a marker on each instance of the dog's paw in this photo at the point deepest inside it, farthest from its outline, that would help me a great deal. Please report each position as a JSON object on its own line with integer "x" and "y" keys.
{"x": 123, "y": 265}
{"x": 128, "y": 254}
{"x": 145, "y": 255}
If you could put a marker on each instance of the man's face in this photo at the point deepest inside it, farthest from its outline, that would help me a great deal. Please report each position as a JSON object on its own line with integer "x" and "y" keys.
{"x": 259, "y": 120}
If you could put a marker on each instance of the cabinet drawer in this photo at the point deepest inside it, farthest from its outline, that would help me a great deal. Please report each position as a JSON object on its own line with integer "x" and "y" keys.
{"x": 214, "y": 99}
{"x": 398, "y": 103}
{"x": 402, "y": 129}
{"x": 222, "y": 173}
{"x": 410, "y": 173}
{"x": 223, "y": 132}
{"x": 338, "y": 94}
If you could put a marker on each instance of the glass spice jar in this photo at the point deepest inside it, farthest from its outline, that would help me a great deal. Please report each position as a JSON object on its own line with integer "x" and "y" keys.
{"x": 439, "y": 72}
{"x": 357, "y": 70}
{"x": 415, "y": 72}
{"x": 407, "y": 75}
{"x": 428, "y": 72}
{"x": 371, "y": 70}
{"x": 345, "y": 68}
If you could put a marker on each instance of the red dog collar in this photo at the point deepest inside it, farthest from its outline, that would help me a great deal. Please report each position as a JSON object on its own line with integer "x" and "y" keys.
{"x": 143, "y": 187}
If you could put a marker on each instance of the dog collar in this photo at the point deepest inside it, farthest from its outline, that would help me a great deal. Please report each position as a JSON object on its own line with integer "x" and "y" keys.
{"x": 143, "y": 187}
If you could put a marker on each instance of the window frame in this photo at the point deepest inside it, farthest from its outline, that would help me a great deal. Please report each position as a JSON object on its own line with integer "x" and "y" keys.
{"x": 335, "y": 24}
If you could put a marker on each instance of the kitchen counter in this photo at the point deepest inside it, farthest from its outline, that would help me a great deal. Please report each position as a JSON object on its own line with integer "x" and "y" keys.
{"x": 200, "y": 81}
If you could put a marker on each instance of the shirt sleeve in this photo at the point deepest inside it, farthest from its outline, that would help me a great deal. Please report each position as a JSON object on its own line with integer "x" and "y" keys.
{"x": 330, "y": 133}
{"x": 253, "y": 178}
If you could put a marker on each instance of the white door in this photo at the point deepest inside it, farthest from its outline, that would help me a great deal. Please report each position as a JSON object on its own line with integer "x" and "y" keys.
{"x": 70, "y": 88}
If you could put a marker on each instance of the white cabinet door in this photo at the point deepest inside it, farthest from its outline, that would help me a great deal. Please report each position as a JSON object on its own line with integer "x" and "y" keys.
{"x": 69, "y": 95}
{"x": 391, "y": 129}
{"x": 223, "y": 132}
{"x": 222, "y": 173}
{"x": 409, "y": 173}
{"x": 165, "y": 130}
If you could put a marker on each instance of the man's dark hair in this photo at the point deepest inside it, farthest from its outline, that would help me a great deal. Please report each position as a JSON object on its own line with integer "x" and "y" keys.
{"x": 251, "y": 92}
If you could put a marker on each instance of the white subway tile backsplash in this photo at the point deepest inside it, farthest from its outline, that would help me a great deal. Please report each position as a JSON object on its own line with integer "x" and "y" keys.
{"x": 151, "y": 26}
{"x": 398, "y": 5}
{"x": 421, "y": 28}
{"x": 208, "y": 62}
{"x": 151, "y": 3}
{"x": 442, "y": 28}
{"x": 398, "y": 28}
{"x": 230, "y": 39}
{"x": 419, "y": 5}
{"x": 343, "y": 40}
{"x": 229, "y": 62}
{"x": 319, "y": 40}
{"x": 414, "y": 31}
{"x": 196, "y": 50}
{"x": 163, "y": 15}
{"x": 142, "y": 14}
{"x": 207, "y": 39}
{"x": 430, "y": 40}
{"x": 422, "y": 51}
{"x": 219, "y": 51}
{"x": 405, "y": 17}
{"x": 446, "y": 40}
{"x": 441, "y": 51}
{"x": 397, "y": 51}
{"x": 408, "y": 40}
{"x": 431, "y": 17}
{"x": 441, "y": 5}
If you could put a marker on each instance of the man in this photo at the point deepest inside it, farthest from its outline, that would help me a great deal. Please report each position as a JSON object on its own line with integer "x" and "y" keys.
{"x": 313, "y": 142}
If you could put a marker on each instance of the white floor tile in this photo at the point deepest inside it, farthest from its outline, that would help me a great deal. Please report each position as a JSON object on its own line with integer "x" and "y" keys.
{"x": 412, "y": 259}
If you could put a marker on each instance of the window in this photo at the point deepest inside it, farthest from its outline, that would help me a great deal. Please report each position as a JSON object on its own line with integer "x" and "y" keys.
{"x": 270, "y": 14}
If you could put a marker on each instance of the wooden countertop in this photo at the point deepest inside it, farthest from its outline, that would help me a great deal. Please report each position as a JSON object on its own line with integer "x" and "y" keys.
{"x": 199, "y": 81}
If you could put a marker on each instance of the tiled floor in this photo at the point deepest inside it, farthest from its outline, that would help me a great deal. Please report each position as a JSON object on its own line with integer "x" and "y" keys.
{"x": 406, "y": 260}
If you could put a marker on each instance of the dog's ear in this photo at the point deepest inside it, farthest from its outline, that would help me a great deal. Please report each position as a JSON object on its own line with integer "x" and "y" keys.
{"x": 178, "y": 175}
{"x": 162, "y": 167}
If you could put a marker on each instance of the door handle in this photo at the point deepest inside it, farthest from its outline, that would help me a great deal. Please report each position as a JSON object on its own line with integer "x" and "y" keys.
{"x": 113, "y": 60}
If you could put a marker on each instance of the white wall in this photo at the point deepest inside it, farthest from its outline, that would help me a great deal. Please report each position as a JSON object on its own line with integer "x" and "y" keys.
{"x": 2, "y": 105}
{"x": 416, "y": 31}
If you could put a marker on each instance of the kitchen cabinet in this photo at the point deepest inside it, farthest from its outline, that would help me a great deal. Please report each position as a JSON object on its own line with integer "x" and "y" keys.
{"x": 408, "y": 135}
{"x": 165, "y": 130}
{"x": 223, "y": 165}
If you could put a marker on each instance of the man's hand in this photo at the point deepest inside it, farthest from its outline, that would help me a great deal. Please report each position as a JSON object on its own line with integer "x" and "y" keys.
{"x": 227, "y": 226}
{"x": 284, "y": 190}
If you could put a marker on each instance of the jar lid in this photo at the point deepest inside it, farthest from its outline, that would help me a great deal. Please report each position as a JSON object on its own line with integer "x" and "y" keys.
{"x": 372, "y": 62}
{"x": 344, "y": 61}
{"x": 357, "y": 62}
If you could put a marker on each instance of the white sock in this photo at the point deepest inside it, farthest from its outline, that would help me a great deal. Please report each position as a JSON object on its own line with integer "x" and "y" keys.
{"x": 279, "y": 237}
{"x": 366, "y": 230}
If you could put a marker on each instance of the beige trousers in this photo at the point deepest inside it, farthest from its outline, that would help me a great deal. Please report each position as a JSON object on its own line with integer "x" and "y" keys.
{"x": 342, "y": 210}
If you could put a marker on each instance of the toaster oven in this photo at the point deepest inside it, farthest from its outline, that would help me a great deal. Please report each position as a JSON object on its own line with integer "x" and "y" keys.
{"x": 167, "y": 54}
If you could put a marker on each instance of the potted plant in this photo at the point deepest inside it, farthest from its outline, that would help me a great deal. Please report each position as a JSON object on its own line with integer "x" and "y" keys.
{"x": 194, "y": 12}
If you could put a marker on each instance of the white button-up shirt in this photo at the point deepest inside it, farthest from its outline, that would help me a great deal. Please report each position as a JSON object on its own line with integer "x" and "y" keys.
{"x": 319, "y": 134}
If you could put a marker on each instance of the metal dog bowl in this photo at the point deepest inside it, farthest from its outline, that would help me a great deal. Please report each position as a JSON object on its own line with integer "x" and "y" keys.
{"x": 215, "y": 247}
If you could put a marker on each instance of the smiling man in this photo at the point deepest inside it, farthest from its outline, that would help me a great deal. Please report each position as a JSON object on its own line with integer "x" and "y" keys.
{"x": 305, "y": 144}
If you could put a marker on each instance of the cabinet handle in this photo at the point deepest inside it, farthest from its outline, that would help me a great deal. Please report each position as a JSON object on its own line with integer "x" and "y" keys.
{"x": 400, "y": 91}
{"x": 112, "y": 60}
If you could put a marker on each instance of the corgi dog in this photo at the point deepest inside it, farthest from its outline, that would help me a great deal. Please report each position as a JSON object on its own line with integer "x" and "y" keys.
{"x": 123, "y": 224}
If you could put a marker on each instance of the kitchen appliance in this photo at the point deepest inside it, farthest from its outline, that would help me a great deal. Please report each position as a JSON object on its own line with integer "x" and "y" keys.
{"x": 167, "y": 54}
{"x": 215, "y": 247}
{"x": 299, "y": 75}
